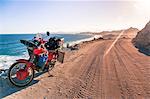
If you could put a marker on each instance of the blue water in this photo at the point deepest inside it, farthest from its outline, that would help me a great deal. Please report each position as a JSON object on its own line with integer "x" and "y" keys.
{"x": 10, "y": 43}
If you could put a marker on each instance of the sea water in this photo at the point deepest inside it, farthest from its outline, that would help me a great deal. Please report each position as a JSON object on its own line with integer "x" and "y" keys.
{"x": 11, "y": 49}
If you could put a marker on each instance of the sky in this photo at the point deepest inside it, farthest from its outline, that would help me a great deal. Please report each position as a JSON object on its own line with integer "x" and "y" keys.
{"x": 32, "y": 16}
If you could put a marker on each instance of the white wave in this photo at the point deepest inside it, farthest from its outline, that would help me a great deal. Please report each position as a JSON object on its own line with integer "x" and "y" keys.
{"x": 6, "y": 61}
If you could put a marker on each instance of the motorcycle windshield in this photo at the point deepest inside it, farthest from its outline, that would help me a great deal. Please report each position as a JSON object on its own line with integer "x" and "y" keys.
{"x": 28, "y": 43}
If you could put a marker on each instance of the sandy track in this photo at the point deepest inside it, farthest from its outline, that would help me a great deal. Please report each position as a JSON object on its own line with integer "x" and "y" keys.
{"x": 123, "y": 73}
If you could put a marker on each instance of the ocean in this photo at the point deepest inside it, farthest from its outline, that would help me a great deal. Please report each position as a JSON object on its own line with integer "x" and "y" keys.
{"x": 11, "y": 49}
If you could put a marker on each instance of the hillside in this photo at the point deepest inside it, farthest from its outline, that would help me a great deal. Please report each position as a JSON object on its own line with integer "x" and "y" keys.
{"x": 142, "y": 40}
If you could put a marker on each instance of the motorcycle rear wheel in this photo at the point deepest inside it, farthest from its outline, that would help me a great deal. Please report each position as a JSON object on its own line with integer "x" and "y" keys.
{"x": 13, "y": 76}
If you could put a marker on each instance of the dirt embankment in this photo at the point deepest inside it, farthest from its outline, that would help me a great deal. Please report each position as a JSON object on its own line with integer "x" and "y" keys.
{"x": 142, "y": 40}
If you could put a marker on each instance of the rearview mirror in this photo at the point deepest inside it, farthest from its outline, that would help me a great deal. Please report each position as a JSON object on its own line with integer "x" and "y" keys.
{"x": 47, "y": 33}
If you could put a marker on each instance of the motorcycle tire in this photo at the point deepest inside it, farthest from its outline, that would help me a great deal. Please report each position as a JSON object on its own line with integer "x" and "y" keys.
{"x": 10, "y": 71}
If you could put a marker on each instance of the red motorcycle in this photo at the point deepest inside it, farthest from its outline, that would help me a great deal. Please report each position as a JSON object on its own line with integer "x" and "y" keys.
{"x": 22, "y": 72}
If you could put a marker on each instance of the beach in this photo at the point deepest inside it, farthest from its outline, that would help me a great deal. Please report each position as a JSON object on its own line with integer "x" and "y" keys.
{"x": 98, "y": 70}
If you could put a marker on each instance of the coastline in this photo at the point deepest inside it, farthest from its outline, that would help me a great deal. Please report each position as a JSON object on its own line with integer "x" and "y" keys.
{"x": 93, "y": 36}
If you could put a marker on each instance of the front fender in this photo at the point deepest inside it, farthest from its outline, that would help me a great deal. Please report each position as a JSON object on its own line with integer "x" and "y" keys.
{"x": 29, "y": 64}
{"x": 22, "y": 60}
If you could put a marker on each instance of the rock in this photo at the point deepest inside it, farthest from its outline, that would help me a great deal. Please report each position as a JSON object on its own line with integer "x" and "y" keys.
{"x": 3, "y": 73}
{"x": 142, "y": 40}
{"x": 74, "y": 47}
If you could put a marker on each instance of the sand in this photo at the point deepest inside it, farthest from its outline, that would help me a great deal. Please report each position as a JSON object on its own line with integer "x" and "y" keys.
{"x": 124, "y": 73}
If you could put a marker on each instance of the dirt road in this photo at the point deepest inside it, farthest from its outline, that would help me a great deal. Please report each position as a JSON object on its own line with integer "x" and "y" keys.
{"x": 124, "y": 73}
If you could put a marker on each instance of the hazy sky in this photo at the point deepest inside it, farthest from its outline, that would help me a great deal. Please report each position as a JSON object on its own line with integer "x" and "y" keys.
{"x": 28, "y": 16}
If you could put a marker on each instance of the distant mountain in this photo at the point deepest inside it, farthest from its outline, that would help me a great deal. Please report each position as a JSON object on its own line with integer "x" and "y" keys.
{"x": 128, "y": 33}
{"x": 85, "y": 32}
{"x": 142, "y": 39}
{"x": 109, "y": 32}
{"x": 131, "y": 32}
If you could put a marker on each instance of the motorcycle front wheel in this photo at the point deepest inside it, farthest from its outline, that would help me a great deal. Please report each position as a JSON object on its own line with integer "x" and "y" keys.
{"x": 19, "y": 76}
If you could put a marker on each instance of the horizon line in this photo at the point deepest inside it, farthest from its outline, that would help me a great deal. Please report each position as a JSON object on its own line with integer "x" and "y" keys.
{"x": 77, "y": 32}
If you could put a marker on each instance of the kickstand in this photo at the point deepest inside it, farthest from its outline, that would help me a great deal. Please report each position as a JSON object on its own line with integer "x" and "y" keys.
{"x": 49, "y": 75}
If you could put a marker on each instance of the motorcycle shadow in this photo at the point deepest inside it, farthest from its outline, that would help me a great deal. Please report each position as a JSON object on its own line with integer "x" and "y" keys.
{"x": 6, "y": 88}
